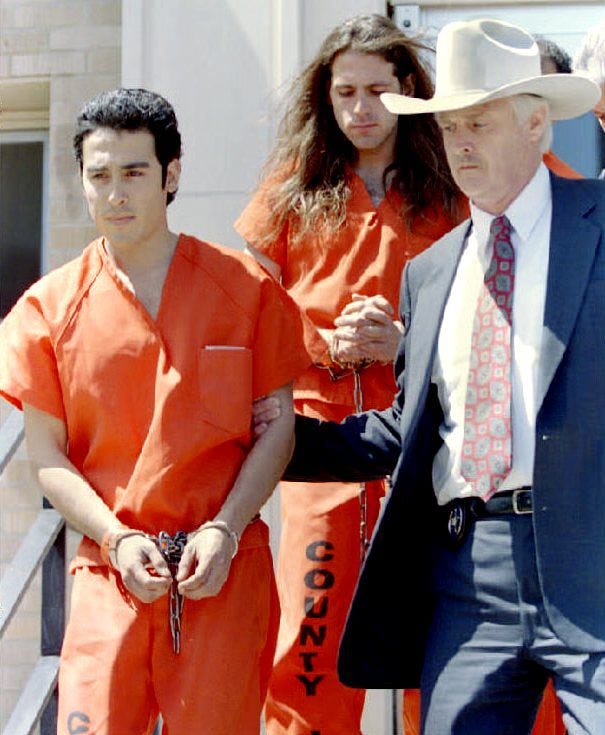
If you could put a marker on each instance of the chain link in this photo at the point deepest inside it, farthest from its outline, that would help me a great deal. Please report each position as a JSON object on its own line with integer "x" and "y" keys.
{"x": 364, "y": 535}
{"x": 171, "y": 548}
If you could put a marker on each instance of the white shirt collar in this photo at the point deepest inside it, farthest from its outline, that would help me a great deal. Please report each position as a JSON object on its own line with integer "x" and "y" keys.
{"x": 523, "y": 213}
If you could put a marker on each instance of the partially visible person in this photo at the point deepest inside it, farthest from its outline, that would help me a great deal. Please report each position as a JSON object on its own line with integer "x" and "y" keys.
{"x": 553, "y": 58}
{"x": 135, "y": 366}
{"x": 590, "y": 59}
{"x": 351, "y": 192}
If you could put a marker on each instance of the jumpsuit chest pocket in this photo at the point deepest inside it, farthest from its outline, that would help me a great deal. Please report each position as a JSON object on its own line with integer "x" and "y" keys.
{"x": 225, "y": 384}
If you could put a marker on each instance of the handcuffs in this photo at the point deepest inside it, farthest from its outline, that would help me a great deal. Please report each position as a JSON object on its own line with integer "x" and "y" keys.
{"x": 171, "y": 548}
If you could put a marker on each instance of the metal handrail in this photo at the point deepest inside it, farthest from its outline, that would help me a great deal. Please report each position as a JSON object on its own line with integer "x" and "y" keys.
{"x": 43, "y": 546}
{"x": 26, "y": 562}
{"x": 11, "y": 435}
{"x": 34, "y": 698}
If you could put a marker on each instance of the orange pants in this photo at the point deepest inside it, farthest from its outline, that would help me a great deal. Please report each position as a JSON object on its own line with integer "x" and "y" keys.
{"x": 118, "y": 670}
{"x": 317, "y": 570}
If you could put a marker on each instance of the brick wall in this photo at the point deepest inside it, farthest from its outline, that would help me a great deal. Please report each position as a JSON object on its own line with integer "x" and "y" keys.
{"x": 74, "y": 46}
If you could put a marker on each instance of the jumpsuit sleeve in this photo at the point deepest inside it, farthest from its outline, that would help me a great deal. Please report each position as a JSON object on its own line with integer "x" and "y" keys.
{"x": 28, "y": 364}
{"x": 253, "y": 223}
{"x": 280, "y": 354}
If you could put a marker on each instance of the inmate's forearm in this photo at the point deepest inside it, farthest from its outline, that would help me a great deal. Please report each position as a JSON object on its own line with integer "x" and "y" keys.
{"x": 262, "y": 468}
{"x": 65, "y": 487}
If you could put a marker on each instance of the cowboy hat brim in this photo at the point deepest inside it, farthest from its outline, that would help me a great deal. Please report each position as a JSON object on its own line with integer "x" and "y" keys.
{"x": 568, "y": 95}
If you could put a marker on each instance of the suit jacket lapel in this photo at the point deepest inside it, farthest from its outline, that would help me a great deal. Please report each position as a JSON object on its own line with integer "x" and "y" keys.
{"x": 573, "y": 243}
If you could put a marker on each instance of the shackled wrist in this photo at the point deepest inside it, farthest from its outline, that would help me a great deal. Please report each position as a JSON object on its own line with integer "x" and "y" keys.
{"x": 110, "y": 542}
{"x": 333, "y": 350}
{"x": 221, "y": 526}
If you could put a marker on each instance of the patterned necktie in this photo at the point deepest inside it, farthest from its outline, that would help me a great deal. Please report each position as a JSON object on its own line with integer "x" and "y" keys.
{"x": 487, "y": 444}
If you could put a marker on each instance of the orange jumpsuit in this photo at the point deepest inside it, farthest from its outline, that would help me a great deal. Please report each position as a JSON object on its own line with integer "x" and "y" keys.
{"x": 158, "y": 420}
{"x": 319, "y": 552}
{"x": 559, "y": 167}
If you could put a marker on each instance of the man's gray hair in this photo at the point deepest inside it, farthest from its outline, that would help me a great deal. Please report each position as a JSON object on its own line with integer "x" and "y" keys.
{"x": 590, "y": 58}
{"x": 524, "y": 105}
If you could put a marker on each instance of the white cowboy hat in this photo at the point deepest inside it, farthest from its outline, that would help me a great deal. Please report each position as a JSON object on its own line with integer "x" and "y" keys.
{"x": 482, "y": 60}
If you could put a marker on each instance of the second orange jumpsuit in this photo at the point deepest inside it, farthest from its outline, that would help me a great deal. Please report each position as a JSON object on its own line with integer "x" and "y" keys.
{"x": 319, "y": 553}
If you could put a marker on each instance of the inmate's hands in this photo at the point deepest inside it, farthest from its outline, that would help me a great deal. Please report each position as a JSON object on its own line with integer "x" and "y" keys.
{"x": 205, "y": 564}
{"x": 366, "y": 330}
{"x": 143, "y": 569}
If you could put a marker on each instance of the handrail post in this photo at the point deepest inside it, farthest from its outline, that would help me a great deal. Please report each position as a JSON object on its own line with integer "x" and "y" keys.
{"x": 53, "y": 617}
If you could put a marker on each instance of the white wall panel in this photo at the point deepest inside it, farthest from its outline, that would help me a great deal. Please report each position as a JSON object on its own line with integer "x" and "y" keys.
{"x": 320, "y": 16}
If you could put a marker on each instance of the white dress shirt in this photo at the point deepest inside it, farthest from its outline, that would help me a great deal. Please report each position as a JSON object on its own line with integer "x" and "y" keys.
{"x": 530, "y": 218}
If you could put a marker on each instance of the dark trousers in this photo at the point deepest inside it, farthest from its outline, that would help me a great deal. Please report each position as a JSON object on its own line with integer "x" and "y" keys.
{"x": 491, "y": 648}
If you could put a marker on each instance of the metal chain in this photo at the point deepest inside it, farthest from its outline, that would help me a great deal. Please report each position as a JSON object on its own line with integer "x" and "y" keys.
{"x": 364, "y": 539}
{"x": 171, "y": 548}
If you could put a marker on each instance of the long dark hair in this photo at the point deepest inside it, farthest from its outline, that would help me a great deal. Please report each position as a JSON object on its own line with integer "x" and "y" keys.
{"x": 306, "y": 170}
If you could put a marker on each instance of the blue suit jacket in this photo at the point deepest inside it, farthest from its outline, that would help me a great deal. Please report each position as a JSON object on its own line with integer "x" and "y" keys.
{"x": 382, "y": 646}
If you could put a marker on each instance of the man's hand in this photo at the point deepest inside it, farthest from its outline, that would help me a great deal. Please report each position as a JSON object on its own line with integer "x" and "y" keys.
{"x": 205, "y": 564}
{"x": 366, "y": 330}
{"x": 264, "y": 411}
{"x": 143, "y": 569}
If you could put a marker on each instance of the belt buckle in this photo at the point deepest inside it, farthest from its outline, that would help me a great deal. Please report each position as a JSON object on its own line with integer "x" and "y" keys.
{"x": 515, "y": 500}
{"x": 458, "y": 523}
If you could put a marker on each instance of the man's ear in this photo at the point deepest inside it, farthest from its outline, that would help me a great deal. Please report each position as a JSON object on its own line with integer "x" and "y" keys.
{"x": 537, "y": 122}
{"x": 173, "y": 175}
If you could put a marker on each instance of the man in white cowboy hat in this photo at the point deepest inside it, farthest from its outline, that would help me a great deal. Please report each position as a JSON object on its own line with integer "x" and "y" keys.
{"x": 496, "y": 439}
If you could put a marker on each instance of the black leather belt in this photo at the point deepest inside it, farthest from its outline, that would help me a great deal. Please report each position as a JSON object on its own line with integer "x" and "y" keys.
{"x": 519, "y": 502}
{"x": 460, "y": 514}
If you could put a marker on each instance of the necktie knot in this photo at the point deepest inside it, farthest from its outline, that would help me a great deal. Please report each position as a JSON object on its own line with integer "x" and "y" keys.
{"x": 499, "y": 244}
{"x": 500, "y": 226}
{"x": 499, "y": 277}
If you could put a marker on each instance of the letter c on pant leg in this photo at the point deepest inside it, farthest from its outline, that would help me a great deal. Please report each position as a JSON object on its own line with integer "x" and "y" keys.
{"x": 77, "y": 723}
